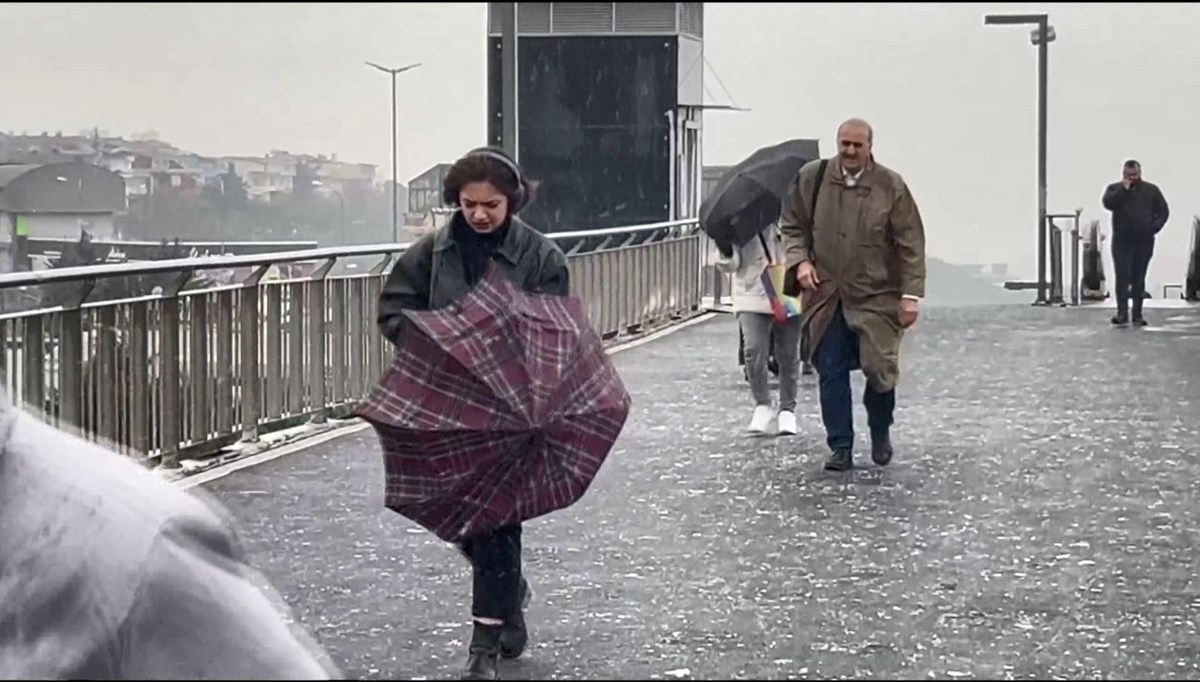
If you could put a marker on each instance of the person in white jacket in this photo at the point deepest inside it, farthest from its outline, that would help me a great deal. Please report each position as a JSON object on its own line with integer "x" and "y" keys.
{"x": 746, "y": 264}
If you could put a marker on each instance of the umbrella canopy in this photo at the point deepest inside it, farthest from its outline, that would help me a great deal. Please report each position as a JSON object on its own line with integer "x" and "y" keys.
{"x": 495, "y": 411}
{"x": 750, "y": 195}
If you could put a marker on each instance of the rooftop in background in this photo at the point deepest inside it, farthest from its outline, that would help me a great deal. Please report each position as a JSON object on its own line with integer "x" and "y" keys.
{"x": 60, "y": 188}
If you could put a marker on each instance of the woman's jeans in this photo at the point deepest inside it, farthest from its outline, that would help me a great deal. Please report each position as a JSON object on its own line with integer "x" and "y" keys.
{"x": 756, "y": 330}
{"x": 496, "y": 563}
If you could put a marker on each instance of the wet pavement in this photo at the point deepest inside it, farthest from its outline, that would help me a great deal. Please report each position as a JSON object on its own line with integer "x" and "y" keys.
{"x": 1039, "y": 520}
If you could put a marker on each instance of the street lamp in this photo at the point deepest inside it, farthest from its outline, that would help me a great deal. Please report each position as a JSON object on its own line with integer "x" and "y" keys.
{"x": 1042, "y": 35}
{"x": 395, "y": 195}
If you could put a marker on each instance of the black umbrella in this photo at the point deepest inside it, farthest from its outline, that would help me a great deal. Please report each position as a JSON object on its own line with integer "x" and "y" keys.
{"x": 750, "y": 195}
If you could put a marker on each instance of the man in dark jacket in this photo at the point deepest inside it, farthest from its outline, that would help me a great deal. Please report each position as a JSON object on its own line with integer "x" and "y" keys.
{"x": 1139, "y": 213}
{"x": 108, "y": 571}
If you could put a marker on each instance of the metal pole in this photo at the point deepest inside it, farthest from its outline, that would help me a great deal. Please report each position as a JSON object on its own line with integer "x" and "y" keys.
{"x": 1043, "y": 67}
{"x": 508, "y": 76}
{"x": 395, "y": 192}
{"x": 672, "y": 167}
{"x": 1042, "y": 37}
{"x": 1075, "y": 260}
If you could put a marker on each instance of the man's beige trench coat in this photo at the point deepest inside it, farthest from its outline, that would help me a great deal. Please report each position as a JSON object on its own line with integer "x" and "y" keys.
{"x": 868, "y": 245}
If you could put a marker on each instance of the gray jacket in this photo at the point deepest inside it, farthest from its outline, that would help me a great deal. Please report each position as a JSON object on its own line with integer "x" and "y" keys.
{"x": 429, "y": 275}
{"x": 107, "y": 571}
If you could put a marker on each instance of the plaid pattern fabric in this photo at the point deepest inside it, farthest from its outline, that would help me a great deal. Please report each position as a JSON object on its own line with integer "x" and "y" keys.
{"x": 497, "y": 410}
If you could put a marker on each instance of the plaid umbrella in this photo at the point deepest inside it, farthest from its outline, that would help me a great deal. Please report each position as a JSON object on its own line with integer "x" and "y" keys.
{"x": 497, "y": 410}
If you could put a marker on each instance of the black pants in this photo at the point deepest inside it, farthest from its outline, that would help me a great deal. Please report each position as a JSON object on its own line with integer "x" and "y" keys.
{"x": 835, "y": 357}
{"x": 496, "y": 564}
{"x": 1131, "y": 258}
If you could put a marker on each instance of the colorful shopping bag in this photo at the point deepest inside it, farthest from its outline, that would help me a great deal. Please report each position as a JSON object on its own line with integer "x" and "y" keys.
{"x": 775, "y": 280}
{"x": 785, "y": 307}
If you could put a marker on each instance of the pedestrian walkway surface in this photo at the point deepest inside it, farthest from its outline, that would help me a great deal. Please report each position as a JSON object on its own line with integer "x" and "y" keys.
{"x": 1039, "y": 520}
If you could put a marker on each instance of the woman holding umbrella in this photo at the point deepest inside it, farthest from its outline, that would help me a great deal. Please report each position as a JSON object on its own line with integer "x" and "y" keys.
{"x": 489, "y": 190}
{"x": 760, "y": 332}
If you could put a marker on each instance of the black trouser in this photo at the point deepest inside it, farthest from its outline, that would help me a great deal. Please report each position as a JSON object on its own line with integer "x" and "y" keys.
{"x": 496, "y": 564}
{"x": 835, "y": 357}
{"x": 1131, "y": 258}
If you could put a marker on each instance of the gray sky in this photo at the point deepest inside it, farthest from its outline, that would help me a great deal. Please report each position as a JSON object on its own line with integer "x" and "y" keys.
{"x": 953, "y": 102}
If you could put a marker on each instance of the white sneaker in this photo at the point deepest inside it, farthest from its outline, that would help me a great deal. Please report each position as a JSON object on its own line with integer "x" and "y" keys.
{"x": 787, "y": 423}
{"x": 761, "y": 420}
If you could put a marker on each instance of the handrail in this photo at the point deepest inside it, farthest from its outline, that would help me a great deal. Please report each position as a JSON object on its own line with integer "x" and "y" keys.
{"x": 184, "y": 373}
{"x": 633, "y": 229}
{"x": 89, "y": 272}
{"x": 86, "y": 272}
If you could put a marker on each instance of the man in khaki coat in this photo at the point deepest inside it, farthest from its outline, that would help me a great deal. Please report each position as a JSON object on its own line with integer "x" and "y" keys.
{"x": 852, "y": 229}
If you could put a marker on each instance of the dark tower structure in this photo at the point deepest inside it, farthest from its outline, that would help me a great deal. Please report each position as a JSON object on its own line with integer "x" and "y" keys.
{"x": 608, "y": 109}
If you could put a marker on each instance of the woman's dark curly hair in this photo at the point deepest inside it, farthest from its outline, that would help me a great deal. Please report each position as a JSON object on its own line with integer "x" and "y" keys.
{"x": 481, "y": 166}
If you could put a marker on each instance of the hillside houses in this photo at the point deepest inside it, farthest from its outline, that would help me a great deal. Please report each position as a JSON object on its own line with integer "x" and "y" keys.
{"x": 147, "y": 164}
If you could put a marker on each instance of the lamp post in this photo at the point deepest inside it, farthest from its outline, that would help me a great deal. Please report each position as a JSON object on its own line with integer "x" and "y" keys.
{"x": 395, "y": 195}
{"x": 1042, "y": 35}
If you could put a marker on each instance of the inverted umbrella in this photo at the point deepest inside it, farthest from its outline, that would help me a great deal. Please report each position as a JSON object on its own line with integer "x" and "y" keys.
{"x": 750, "y": 195}
{"x": 495, "y": 411}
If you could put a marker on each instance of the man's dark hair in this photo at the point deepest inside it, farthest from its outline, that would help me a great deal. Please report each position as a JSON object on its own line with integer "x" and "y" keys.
{"x": 1132, "y": 164}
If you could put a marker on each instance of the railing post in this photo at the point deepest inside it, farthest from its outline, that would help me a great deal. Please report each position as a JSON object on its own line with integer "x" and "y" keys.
{"x": 294, "y": 404}
{"x": 139, "y": 356}
{"x": 317, "y": 348}
{"x": 337, "y": 351}
{"x": 274, "y": 380}
{"x": 223, "y": 402}
{"x": 33, "y": 366}
{"x": 375, "y": 344}
{"x": 104, "y": 399}
{"x": 70, "y": 357}
{"x": 251, "y": 371}
{"x": 1075, "y": 237}
{"x": 198, "y": 332}
{"x": 172, "y": 386}
{"x": 1056, "y": 269}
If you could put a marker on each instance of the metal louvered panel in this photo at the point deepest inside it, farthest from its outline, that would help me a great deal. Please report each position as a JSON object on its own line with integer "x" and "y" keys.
{"x": 644, "y": 17}
{"x": 597, "y": 18}
{"x": 582, "y": 17}
{"x": 533, "y": 17}
{"x": 691, "y": 19}
{"x": 493, "y": 19}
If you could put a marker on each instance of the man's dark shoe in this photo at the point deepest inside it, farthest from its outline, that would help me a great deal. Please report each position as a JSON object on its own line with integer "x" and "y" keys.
{"x": 1120, "y": 319}
{"x": 483, "y": 653}
{"x": 514, "y": 636}
{"x": 881, "y": 450}
{"x": 840, "y": 460}
{"x": 1139, "y": 321}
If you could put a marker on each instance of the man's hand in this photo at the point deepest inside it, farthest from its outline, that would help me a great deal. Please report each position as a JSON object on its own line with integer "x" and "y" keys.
{"x": 1126, "y": 183}
{"x": 908, "y": 312}
{"x": 806, "y": 276}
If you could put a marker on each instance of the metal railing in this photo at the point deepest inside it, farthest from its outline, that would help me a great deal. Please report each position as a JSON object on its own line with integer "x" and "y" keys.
{"x": 189, "y": 371}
